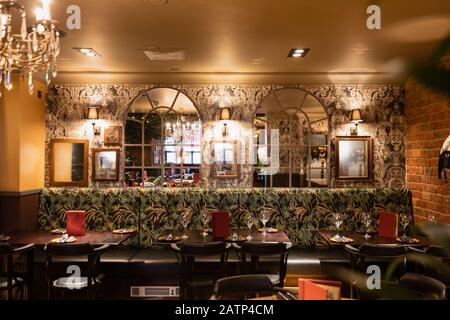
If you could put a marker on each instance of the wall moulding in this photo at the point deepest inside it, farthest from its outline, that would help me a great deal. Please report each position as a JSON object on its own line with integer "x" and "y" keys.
{"x": 382, "y": 106}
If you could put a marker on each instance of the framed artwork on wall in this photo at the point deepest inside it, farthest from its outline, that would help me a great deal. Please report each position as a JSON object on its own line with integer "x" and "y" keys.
{"x": 225, "y": 156}
{"x": 105, "y": 164}
{"x": 354, "y": 158}
{"x": 113, "y": 136}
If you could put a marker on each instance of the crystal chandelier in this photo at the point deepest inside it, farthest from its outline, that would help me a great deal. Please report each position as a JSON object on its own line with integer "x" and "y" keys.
{"x": 177, "y": 129}
{"x": 28, "y": 50}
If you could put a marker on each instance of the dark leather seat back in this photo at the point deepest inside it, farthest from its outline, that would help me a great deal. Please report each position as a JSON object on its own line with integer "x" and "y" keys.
{"x": 382, "y": 250}
{"x": 431, "y": 288}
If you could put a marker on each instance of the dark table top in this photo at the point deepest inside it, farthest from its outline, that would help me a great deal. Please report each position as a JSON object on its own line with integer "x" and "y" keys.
{"x": 359, "y": 239}
{"x": 43, "y": 237}
{"x": 196, "y": 236}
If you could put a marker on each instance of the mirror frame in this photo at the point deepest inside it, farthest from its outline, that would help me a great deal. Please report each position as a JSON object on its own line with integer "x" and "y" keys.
{"x": 94, "y": 168}
{"x": 235, "y": 163}
{"x": 368, "y": 153}
{"x": 85, "y": 181}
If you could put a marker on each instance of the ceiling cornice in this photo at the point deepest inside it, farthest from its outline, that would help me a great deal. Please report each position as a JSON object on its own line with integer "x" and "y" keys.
{"x": 230, "y": 77}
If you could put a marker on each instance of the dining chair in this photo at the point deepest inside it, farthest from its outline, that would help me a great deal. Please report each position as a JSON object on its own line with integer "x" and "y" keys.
{"x": 434, "y": 264}
{"x": 192, "y": 275}
{"x": 423, "y": 287}
{"x": 245, "y": 286}
{"x": 13, "y": 278}
{"x": 256, "y": 251}
{"x": 376, "y": 254}
{"x": 368, "y": 253}
{"x": 90, "y": 281}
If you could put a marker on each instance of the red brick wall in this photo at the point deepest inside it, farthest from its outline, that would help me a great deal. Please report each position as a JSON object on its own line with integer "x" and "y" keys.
{"x": 428, "y": 126}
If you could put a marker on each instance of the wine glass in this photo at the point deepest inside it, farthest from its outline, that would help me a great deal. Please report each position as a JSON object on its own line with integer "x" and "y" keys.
{"x": 264, "y": 218}
{"x": 404, "y": 221}
{"x": 250, "y": 221}
{"x": 172, "y": 229}
{"x": 205, "y": 221}
{"x": 338, "y": 221}
{"x": 367, "y": 221}
{"x": 185, "y": 220}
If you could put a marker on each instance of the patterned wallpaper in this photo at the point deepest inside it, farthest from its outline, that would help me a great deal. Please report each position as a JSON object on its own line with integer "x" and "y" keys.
{"x": 382, "y": 106}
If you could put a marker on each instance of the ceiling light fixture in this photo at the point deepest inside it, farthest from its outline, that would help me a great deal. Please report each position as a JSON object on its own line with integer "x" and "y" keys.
{"x": 27, "y": 50}
{"x": 157, "y": 54}
{"x": 157, "y": 1}
{"x": 298, "y": 52}
{"x": 89, "y": 52}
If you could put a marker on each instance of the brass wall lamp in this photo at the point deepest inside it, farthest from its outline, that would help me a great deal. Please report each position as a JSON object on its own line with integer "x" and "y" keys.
{"x": 225, "y": 115}
{"x": 94, "y": 115}
{"x": 356, "y": 118}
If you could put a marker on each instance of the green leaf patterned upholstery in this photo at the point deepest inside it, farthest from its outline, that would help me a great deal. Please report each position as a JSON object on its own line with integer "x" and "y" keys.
{"x": 298, "y": 212}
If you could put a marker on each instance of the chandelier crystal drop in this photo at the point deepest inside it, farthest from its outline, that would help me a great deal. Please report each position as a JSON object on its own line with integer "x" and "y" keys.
{"x": 27, "y": 50}
{"x": 176, "y": 130}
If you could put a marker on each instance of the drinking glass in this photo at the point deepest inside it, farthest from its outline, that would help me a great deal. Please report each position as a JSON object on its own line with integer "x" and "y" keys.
{"x": 404, "y": 221}
{"x": 205, "y": 220}
{"x": 172, "y": 229}
{"x": 338, "y": 220}
{"x": 264, "y": 218}
{"x": 250, "y": 221}
{"x": 185, "y": 220}
{"x": 367, "y": 221}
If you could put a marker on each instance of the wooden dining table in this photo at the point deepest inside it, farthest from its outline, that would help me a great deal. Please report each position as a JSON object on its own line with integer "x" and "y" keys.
{"x": 358, "y": 239}
{"x": 41, "y": 238}
{"x": 196, "y": 236}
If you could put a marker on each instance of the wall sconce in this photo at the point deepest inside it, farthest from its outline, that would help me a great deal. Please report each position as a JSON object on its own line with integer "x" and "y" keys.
{"x": 225, "y": 115}
{"x": 356, "y": 118}
{"x": 94, "y": 115}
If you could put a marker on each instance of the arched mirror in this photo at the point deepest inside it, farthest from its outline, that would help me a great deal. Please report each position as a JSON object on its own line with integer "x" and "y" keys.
{"x": 162, "y": 140}
{"x": 303, "y": 143}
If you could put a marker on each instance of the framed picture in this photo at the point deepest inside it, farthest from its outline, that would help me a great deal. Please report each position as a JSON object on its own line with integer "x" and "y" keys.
{"x": 354, "y": 158}
{"x": 225, "y": 156}
{"x": 105, "y": 164}
{"x": 113, "y": 136}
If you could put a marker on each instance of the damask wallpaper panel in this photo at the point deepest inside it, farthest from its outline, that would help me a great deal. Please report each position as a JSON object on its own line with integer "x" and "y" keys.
{"x": 382, "y": 107}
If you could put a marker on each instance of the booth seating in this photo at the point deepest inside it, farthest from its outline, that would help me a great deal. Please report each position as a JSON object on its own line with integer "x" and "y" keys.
{"x": 298, "y": 212}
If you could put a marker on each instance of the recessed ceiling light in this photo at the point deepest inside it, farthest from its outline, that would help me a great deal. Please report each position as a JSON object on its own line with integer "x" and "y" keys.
{"x": 298, "y": 52}
{"x": 89, "y": 52}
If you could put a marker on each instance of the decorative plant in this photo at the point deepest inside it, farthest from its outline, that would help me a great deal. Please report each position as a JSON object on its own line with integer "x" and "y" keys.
{"x": 435, "y": 71}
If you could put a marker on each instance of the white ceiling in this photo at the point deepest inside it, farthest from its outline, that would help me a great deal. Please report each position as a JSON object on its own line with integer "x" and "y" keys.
{"x": 248, "y": 40}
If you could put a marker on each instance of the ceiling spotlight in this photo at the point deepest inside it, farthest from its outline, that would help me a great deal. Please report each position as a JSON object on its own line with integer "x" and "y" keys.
{"x": 298, "y": 52}
{"x": 89, "y": 52}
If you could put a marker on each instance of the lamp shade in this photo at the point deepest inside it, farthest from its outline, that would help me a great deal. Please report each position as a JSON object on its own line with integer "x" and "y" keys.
{"x": 93, "y": 113}
{"x": 356, "y": 116}
{"x": 225, "y": 114}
